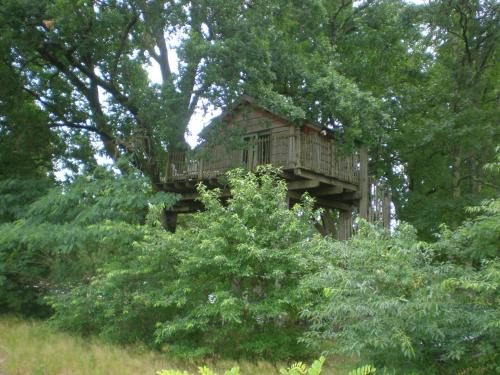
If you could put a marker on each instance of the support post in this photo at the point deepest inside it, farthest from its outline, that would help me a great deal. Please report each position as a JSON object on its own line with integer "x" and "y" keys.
{"x": 345, "y": 225}
{"x": 363, "y": 183}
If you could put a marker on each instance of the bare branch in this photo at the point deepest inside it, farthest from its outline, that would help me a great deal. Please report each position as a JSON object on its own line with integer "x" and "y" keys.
{"x": 67, "y": 124}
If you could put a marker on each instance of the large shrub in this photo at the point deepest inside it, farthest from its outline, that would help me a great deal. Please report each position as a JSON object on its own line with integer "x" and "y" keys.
{"x": 225, "y": 284}
{"x": 239, "y": 267}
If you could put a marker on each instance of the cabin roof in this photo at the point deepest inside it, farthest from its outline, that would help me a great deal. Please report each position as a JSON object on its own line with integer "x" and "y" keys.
{"x": 248, "y": 100}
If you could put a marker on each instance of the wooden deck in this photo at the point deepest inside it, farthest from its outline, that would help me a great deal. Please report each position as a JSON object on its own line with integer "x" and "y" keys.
{"x": 310, "y": 155}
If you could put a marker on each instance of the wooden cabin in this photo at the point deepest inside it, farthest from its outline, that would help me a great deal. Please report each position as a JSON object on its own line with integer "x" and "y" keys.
{"x": 248, "y": 135}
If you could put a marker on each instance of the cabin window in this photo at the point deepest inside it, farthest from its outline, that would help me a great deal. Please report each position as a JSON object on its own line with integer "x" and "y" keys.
{"x": 257, "y": 150}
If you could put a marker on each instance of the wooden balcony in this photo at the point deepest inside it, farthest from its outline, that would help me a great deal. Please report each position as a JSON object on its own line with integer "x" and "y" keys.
{"x": 305, "y": 156}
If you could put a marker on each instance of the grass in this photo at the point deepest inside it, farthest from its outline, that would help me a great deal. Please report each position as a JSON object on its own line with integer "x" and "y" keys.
{"x": 33, "y": 348}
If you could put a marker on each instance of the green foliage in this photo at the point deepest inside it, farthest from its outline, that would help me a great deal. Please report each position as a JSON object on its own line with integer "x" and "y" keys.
{"x": 249, "y": 278}
{"x": 407, "y": 305}
{"x": 476, "y": 240}
{"x": 17, "y": 194}
{"x": 300, "y": 368}
{"x": 239, "y": 266}
{"x": 127, "y": 297}
{"x": 225, "y": 284}
{"x": 27, "y": 145}
{"x": 447, "y": 129}
{"x": 364, "y": 370}
{"x": 61, "y": 238}
{"x": 297, "y": 368}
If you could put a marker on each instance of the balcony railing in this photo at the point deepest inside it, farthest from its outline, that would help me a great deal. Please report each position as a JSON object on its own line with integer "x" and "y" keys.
{"x": 306, "y": 151}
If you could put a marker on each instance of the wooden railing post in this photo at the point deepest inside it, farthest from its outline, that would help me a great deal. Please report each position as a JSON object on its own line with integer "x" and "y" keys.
{"x": 363, "y": 182}
{"x": 200, "y": 169}
{"x": 168, "y": 170}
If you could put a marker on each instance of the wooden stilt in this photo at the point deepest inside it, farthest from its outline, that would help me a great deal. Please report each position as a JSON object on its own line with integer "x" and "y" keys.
{"x": 345, "y": 225}
{"x": 363, "y": 183}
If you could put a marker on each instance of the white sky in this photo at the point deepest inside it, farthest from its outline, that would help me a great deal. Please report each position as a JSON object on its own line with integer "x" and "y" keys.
{"x": 199, "y": 119}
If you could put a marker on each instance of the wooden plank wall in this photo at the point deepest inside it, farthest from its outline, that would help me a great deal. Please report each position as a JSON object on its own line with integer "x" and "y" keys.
{"x": 319, "y": 154}
{"x": 289, "y": 148}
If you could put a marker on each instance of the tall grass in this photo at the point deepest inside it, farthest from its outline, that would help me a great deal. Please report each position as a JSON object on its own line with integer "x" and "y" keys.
{"x": 33, "y": 348}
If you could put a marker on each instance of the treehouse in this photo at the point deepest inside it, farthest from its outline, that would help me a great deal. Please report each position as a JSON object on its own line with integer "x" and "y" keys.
{"x": 248, "y": 135}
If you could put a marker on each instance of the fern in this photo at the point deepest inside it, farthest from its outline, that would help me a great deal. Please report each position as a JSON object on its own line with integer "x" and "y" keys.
{"x": 297, "y": 368}
{"x": 364, "y": 370}
{"x": 300, "y": 368}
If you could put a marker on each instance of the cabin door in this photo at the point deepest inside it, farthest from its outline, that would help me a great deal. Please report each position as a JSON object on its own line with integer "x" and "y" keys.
{"x": 257, "y": 151}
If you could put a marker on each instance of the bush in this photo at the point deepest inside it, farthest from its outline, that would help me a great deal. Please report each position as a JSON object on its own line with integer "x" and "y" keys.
{"x": 239, "y": 267}
{"x": 408, "y": 305}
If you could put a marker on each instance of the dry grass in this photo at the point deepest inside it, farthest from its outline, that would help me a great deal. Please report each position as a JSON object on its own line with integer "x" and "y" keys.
{"x": 32, "y": 348}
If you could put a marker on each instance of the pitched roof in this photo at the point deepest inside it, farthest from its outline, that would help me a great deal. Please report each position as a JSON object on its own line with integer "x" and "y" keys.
{"x": 248, "y": 100}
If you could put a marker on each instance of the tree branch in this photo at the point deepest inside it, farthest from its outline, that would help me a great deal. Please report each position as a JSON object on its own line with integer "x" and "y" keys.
{"x": 166, "y": 73}
{"x": 464, "y": 25}
{"x": 122, "y": 43}
{"x": 108, "y": 86}
{"x": 63, "y": 68}
{"x": 188, "y": 80}
{"x": 65, "y": 122}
